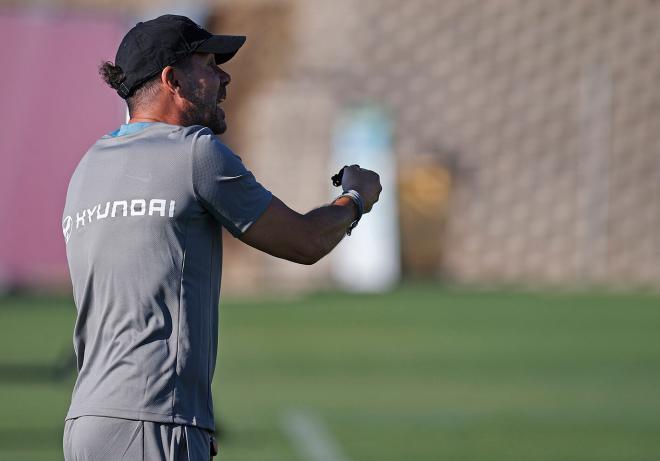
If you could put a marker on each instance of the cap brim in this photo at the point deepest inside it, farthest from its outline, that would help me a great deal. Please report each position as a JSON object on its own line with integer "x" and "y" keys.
{"x": 223, "y": 46}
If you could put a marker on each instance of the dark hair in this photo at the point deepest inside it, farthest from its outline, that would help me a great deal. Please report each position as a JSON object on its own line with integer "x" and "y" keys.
{"x": 114, "y": 76}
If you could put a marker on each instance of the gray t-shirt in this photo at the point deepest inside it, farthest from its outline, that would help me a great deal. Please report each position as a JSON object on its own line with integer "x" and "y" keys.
{"x": 142, "y": 225}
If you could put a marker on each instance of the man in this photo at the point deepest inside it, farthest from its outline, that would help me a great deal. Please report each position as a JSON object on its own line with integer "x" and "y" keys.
{"x": 142, "y": 224}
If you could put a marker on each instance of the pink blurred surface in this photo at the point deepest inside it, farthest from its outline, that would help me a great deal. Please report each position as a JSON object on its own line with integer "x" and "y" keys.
{"x": 54, "y": 106}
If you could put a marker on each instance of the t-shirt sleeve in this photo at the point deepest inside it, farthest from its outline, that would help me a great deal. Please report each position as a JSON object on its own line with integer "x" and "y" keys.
{"x": 223, "y": 185}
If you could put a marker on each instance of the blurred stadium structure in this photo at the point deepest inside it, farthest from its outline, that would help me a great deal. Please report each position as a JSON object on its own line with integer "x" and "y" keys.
{"x": 526, "y": 140}
{"x": 525, "y": 131}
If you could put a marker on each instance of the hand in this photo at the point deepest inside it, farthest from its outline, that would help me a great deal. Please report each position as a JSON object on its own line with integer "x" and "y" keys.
{"x": 365, "y": 182}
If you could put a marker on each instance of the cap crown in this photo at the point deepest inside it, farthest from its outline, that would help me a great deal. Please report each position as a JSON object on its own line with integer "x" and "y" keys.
{"x": 152, "y": 45}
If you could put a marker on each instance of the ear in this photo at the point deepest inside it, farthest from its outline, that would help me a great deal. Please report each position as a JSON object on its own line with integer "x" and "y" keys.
{"x": 169, "y": 80}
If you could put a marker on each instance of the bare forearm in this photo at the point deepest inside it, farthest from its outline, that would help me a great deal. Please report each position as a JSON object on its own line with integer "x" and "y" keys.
{"x": 328, "y": 225}
{"x": 301, "y": 238}
{"x": 305, "y": 239}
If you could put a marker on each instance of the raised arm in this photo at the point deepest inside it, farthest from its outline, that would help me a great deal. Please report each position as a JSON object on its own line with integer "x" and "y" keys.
{"x": 305, "y": 239}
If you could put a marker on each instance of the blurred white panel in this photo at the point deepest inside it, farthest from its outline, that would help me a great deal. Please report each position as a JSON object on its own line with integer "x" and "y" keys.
{"x": 369, "y": 259}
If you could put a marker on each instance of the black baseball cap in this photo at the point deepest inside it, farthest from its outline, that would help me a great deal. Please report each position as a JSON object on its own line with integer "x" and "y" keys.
{"x": 152, "y": 45}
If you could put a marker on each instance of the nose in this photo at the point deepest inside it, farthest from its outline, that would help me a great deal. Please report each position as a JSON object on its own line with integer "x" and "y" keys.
{"x": 225, "y": 78}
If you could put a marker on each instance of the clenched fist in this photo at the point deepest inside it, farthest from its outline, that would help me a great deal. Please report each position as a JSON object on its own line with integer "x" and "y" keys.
{"x": 365, "y": 182}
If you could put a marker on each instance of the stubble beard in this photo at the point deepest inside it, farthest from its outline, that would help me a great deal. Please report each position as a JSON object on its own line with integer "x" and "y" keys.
{"x": 216, "y": 123}
{"x": 202, "y": 113}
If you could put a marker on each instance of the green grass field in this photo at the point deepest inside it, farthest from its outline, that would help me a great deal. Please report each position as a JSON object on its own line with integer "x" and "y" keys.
{"x": 423, "y": 373}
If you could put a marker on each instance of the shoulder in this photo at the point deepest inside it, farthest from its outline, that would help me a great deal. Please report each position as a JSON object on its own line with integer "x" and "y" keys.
{"x": 193, "y": 131}
{"x": 205, "y": 145}
{"x": 199, "y": 133}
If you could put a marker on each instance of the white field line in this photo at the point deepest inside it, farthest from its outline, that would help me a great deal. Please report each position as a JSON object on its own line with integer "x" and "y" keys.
{"x": 311, "y": 437}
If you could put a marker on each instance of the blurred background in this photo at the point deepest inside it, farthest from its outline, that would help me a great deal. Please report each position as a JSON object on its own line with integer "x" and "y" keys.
{"x": 500, "y": 303}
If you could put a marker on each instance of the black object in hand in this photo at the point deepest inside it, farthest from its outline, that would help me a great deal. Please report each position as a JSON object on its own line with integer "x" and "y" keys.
{"x": 336, "y": 179}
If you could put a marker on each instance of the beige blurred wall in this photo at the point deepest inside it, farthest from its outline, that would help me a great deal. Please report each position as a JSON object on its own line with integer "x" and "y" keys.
{"x": 545, "y": 114}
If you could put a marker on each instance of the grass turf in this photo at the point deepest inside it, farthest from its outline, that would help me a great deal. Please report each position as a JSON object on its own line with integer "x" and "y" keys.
{"x": 422, "y": 373}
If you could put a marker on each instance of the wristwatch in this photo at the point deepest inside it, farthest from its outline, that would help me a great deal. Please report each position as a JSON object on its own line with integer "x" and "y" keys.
{"x": 359, "y": 204}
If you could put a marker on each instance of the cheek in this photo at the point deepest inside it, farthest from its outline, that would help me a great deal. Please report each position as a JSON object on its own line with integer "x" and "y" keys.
{"x": 190, "y": 87}
{"x": 197, "y": 90}
{"x": 207, "y": 88}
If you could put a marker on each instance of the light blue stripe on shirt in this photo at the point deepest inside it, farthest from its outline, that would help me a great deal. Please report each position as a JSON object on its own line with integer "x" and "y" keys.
{"x": 129, "y": 128}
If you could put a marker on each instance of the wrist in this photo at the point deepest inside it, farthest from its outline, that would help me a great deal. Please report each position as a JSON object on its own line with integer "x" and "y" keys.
{"x": 358, "y": 206}
{"x": 347, "y": 202}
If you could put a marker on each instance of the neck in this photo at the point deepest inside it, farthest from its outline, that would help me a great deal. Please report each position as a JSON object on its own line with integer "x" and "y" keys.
{"x": 138, "y": 119}
{"x": 158, "y": 112}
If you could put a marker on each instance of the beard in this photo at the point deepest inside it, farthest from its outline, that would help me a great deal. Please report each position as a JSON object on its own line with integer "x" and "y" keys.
{"x": 208, "y": 114}
{"x": 210, "y": 117}
{"x": 216, "y": 121}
